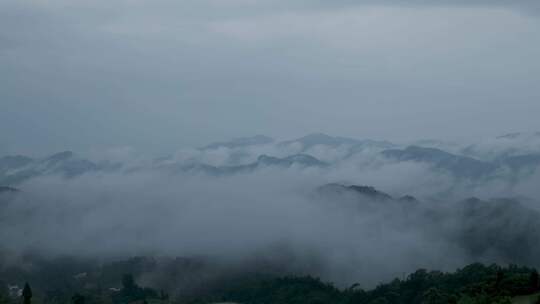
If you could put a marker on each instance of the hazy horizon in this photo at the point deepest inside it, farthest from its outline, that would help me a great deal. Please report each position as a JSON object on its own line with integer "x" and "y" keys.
{"x": 405, "y": 135}
{"x": 165, "y": 75}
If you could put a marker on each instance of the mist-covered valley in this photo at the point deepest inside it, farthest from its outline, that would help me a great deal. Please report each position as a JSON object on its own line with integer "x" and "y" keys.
{"x": 269, "y": 152}
{"x": 346, "y": 210}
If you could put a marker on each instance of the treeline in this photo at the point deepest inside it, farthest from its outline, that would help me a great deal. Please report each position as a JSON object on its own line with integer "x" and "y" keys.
{"x": 474, "y": 284}
{"x": 129, "y": 293}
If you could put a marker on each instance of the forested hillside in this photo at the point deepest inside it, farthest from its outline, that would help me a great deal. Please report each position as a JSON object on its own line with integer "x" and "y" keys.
{"x": 475, "y": 283}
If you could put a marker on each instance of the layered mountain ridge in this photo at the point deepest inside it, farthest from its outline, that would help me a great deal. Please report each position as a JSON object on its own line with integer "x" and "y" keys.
{"x": 244, "y": 155}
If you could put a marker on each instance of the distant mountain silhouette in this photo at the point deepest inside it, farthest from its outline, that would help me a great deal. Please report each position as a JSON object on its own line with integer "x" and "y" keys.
{"x": 311, "y": 140}
{"x": 460, "y": 166}
{"x": 463, "y": 166}
{"x": 501, "y": 226}
{"x": 16, "y": 169}
{"x": 240, "y": 142}
{"x": 506, "y": 162}
{"x": 355, "y": 145}
{"x": 509, "y": 136}
{"x": 300, "y": 160}
{"x": 519, "y": 162}
{"x": 508, "y": 145}
{"x": 479, "y": 227}
{"x": 59, "y": 157}
{"x": 14, "y": 162}
{"x": 364, "y": 191}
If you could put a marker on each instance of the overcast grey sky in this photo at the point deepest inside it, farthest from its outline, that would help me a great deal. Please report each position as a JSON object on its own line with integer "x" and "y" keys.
{"x": 158, "y": 75}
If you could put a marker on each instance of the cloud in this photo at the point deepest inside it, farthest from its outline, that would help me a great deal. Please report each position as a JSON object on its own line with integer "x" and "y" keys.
{"x": 141, "y": 74}
{"x": 229, "y": 220}
{"x": 163, "y": 74}
{"x": 272, "y": 213}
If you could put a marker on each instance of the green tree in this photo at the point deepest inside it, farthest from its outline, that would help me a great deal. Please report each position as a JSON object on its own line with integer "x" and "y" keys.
{"x": 128, "y": 283}
{"x": 434, "y": 296}
{"x": 27, "y": 294}
{"x": 78, "y": 299}
{"x": 4, "y": 298}
{"x": 380, "y": 300}
{"x": 534, "y": 281}
{"x": 132, "y": 292}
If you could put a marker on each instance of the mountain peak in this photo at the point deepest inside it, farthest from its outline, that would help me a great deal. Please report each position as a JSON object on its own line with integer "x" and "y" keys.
{"x": 61, "y": 156}
{"x": 366, "y": 191}
{"x": 240, "y": 142}
{"x": 315, "y": 139}
{"x": 301, "y": 159}
{"x": 317, "y": 136}
{"x": 509, "y": 135}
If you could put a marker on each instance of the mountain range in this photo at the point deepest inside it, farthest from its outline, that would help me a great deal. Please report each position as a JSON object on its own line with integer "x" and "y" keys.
{"x": 314, "y": 150}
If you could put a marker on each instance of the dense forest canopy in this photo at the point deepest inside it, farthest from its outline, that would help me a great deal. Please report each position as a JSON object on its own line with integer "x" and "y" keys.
{"x": 475, "y": 283}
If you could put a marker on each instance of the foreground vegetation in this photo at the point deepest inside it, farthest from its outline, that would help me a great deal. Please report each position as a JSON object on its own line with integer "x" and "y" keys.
{"x": 473, "y": 284}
